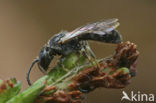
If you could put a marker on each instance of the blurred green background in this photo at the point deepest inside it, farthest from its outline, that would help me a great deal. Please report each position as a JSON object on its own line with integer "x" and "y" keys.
{"x": 26, "y": 25}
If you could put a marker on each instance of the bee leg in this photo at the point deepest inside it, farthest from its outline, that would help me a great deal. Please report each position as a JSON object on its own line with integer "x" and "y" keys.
{"x": 42, "y": 70}
{"x": 64, "y": 68}
{"x": 90, "y": 54}
{"x": 88, "y": 49}
{"x": 61, "y": 64}
{"x": 83, "y": 51}
{"x": 93, "y": 56}
{"x": 86, "y": 54}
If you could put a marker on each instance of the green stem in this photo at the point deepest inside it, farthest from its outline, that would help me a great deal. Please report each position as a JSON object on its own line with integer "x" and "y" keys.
{"x": 55, "y": 76}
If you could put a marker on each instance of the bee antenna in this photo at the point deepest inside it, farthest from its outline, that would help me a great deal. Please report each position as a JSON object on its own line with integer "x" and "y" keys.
{"x": 29, "y": 70}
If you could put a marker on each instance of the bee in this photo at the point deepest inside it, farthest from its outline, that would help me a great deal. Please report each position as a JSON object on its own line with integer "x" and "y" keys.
{"x": 65, "y": 42}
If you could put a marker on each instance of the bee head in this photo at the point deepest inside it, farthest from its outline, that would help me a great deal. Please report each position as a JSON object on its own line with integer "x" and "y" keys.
{"x": 45, "y": 57}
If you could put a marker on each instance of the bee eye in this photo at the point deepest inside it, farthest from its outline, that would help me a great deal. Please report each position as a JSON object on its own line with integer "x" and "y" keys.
{"x": 47, "y": 49}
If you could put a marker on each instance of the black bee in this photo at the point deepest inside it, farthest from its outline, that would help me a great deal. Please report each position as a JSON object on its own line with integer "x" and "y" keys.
{"x": 64, "y": 43}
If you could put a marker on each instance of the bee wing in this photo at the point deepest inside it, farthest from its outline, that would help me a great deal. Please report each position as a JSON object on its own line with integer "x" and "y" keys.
{"x": 100, "y": 28}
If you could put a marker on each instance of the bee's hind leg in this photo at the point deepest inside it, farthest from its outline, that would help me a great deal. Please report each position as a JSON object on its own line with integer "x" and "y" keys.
{"x": 90, "y": 54}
